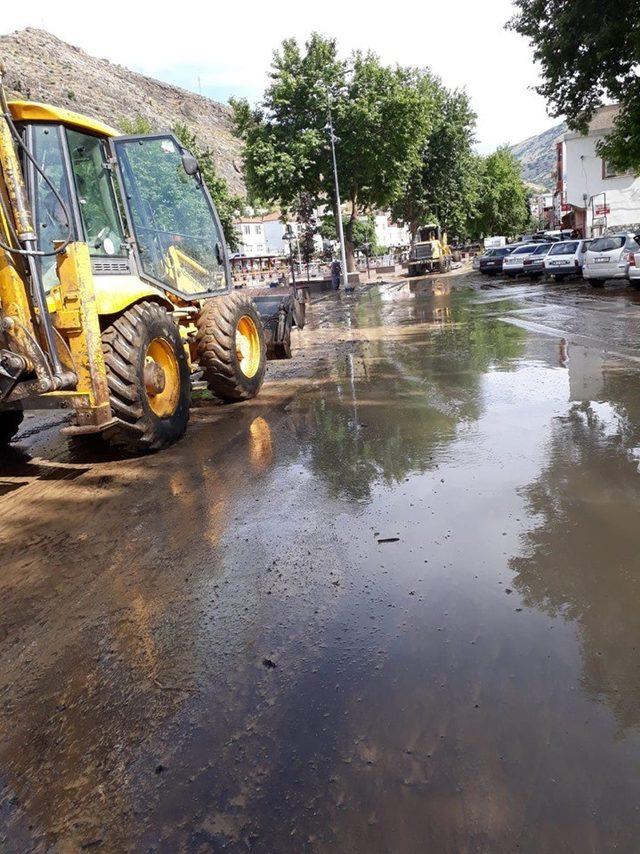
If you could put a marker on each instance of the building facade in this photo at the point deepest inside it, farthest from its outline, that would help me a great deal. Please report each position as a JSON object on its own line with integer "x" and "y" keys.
{"x": 590, "y": 196}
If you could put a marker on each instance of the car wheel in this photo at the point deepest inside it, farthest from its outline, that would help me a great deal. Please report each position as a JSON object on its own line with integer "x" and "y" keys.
{"x": 558, "y": 277}
{"x": 596, "y": 283}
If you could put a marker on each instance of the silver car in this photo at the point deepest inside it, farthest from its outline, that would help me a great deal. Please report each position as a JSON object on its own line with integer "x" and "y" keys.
{"x": 566, "y": 259}
{"x": 513, "y": 263}
{"x": 608, "y": 258}
{"x": 633, "y": 270}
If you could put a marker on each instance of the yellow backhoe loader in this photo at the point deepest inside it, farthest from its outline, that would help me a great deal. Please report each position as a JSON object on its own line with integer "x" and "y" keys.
{"x": 115, "y": 288}
{"x": 430, "y": 252}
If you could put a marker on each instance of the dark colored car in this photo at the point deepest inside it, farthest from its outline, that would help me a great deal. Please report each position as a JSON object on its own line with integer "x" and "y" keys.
{"x": 533, "y": 266}
{"x": 491, "y": 261}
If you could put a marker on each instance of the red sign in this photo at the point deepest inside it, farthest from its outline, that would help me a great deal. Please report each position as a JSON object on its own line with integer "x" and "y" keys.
{"x": 603, "y": 210}
{"x": 565, "y": 207}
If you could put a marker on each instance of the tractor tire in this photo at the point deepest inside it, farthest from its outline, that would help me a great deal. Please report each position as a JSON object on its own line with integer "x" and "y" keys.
{"x": 231, "y": 346}
{"x": 149, "y": 378}
{"x": 10, "y": 421}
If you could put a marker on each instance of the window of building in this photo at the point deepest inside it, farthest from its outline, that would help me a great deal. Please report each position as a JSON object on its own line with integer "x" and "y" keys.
{"x": 258, "y": 229}
{"x": 246, "y": 229}
{"x": 608, "y": 171}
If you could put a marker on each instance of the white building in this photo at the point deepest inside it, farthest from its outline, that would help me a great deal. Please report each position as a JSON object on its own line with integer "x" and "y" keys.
{"x": 590, "y": 196}
{"x": 260, "y": 235}
{"x": 264, "y": 235}
{"x": 388, "y": 233}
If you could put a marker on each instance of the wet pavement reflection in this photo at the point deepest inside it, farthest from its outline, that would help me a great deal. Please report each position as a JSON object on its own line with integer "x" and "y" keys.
{"x": 395, "y": 608}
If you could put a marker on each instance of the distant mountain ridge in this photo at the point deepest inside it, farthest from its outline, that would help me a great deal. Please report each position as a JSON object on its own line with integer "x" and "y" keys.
{"x": 537, "y": 156}
{"x": 42, "y": 67}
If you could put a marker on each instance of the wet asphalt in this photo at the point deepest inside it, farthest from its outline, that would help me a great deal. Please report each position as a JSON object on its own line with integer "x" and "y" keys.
{"x": 392, "y": 605}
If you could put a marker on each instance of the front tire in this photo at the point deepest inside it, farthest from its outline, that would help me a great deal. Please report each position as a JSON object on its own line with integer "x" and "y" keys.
{"x": 149, "y": 379}
{"x": 231, "y": 346}
{"x": 10, "y": 421}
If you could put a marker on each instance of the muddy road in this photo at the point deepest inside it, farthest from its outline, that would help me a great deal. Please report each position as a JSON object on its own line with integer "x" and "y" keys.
{"x": 391, "y": 606}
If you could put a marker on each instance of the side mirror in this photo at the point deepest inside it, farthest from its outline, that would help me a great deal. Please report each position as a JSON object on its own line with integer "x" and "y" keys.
{"x": 189, "y": 163}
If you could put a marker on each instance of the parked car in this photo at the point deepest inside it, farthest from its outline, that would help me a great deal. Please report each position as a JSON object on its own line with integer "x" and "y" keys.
{"x": 633, "y": 270}
{"x": 492, "y": 260}
{"x": 566, "y": 259}
{"x": 533, "y": 266}
{"x": 512, "y": 265}
{"x": 608, "y": 258}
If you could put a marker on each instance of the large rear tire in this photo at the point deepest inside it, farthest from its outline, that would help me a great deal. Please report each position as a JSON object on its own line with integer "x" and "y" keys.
{"x": 231, "y": 346}
{"x": 10, "y": 421}
{"x": 149, "y": 378}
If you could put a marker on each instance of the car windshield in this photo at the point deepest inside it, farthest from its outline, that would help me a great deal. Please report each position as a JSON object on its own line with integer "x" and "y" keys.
{"x": 607, "y": 244}
{"x": 523, "y": 250}
{"x": 564, "y": 248}
{"x": 542, "y": 249}
{"x": 489, "y": 253}
{"x": 500, "y": 253}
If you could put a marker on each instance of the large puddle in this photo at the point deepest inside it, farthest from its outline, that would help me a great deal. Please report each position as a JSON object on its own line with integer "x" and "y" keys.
{"x": 399, "y": 613}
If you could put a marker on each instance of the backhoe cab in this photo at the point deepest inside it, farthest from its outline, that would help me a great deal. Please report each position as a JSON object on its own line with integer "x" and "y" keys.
{"x": 114, "y": 282}
{"x": 430, "y": 252}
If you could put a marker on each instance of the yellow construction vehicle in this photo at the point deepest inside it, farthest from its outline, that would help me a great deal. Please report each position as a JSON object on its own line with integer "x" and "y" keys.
{"x": 115, "y": 288}
{"x": 430, "y": 252}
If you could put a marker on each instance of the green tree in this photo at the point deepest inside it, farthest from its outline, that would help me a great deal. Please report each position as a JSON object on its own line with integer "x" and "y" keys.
{"x": 228, "y": 206}
{"x": 363, "y": 231}
{"x": 380, "y": 119}
{"x": 444, "y": 187}
{"x": 503, "y": 206}
{"x": 589, "y": 54}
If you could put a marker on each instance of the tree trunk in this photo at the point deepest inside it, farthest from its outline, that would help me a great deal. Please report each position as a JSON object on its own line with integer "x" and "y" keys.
{"x": 349, "y": 248}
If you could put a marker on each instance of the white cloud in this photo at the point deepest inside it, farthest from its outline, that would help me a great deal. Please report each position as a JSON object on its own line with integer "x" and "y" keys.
{"x": 229, "y": 45}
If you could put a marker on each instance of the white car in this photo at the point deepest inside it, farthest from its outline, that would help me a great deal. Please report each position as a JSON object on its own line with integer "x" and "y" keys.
{"x": 566, "y": 259}
{"x": 633, "y": 270}
{"x": 513, "y": 263}
{"x": 608, "y": 258}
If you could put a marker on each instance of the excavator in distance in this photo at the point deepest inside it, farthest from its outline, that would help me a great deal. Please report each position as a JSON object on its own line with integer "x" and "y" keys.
{"x": 430, "y": 252}
{"x": 115, "y": 286}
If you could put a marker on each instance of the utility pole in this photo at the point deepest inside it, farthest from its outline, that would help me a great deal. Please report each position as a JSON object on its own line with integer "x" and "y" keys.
{"x": 343, "y": 254}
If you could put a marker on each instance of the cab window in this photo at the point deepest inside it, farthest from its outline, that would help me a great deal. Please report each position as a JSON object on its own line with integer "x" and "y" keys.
{"x": 96, "y": 201}
{"x": 51, "y": 221}
{"x": 176, "y": 230}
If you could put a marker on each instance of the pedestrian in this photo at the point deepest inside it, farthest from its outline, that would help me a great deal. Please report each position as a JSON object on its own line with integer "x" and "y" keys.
{"x": 336, "y": 273}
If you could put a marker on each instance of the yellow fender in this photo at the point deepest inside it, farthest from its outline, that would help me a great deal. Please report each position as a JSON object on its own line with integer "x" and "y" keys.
{"x": 114, "y": 294}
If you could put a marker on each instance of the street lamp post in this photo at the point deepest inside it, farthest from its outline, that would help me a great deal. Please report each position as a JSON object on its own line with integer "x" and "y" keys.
{"x": 343, "y": 253}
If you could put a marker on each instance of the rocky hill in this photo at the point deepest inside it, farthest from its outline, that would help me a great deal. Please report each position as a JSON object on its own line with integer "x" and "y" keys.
{"x": 41, "y": 67}
{"x": 537, "y": 156}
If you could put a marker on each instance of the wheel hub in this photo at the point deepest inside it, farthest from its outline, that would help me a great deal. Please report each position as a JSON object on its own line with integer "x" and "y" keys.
{"x": 161, "y": 378}
{"x": 154, "y": 378}
{"x": 248, "y": 346}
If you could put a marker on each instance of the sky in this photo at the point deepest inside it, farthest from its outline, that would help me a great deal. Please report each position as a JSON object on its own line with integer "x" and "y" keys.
{"x": 224, "y": 49}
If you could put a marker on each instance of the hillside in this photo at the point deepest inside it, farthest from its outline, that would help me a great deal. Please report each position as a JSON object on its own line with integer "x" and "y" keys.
{"x": 537, "y": 156}
{"x": 41, "y": 67}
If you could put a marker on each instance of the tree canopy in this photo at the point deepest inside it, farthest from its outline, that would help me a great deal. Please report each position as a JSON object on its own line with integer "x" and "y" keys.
{"x": 502, "y": 206}
{"x": 380, "y": 117}
{"x": 589, "y": 54}
{"x": 444, "y": 187}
